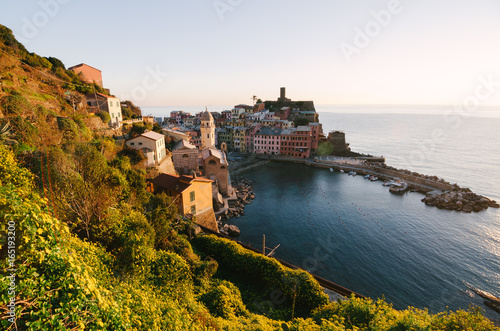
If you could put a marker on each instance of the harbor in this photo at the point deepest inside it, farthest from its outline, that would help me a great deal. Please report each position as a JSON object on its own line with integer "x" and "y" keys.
{"x": 439, "y": 193}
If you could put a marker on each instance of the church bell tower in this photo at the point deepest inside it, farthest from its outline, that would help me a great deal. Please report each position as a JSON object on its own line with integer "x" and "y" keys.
{"x": 207, "y": 129}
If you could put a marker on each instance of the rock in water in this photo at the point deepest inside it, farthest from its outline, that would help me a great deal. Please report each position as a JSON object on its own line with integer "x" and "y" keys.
{"x": 233, "y": 231}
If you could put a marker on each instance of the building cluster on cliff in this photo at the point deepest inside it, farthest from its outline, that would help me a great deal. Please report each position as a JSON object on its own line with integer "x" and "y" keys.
{"x": 282, "y": 127}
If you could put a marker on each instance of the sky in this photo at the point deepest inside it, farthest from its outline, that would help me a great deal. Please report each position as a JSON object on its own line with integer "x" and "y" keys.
{"x": 223, "y": 52}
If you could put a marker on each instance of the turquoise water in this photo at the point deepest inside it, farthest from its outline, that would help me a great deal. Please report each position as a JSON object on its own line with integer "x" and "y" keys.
{"x": 355, "y": 233}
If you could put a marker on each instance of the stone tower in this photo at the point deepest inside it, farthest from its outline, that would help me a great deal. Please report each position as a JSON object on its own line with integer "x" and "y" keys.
{"x": 207, "y": 129}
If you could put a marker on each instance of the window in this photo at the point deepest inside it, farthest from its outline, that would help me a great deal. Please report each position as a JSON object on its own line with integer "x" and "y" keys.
{"x": 192, "y": 196}
{"x": 132, "y": 144}
{"x": 212, "y": 162}
{"x": 193, "y": 210}
{"x": 140, "y": 144}
{"x": 185, "y": 155}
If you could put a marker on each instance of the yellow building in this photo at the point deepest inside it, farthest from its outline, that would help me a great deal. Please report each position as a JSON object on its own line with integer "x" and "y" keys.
{"x": 193, "y": 195}
{"x": 239, "y": 143}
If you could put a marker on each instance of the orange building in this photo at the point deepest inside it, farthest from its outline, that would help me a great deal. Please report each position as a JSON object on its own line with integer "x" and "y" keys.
{"x": 193, "y": 195}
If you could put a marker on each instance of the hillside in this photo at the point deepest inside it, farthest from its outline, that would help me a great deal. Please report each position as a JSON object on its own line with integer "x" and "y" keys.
{"x": 84, "y": 245}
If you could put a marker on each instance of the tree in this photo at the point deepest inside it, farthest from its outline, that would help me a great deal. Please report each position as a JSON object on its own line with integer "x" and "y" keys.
{"x": 300, "y": 121}
{"x": 85, "y": 186}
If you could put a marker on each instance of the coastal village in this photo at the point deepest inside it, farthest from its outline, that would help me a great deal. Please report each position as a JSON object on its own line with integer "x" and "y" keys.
{"x": 90, "y": 190}
{"x": 188, "y": 156}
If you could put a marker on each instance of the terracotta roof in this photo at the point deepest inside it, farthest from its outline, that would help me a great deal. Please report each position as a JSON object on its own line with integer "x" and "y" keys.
{"x": 81, "y": 65}
{"x": 170, "y": 182}
{"x": 106, "y": 96}
{"x": 178, "y": 184}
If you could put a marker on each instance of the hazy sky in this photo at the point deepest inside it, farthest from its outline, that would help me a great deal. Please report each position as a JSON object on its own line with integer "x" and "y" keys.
{"x": 206, "y": 52}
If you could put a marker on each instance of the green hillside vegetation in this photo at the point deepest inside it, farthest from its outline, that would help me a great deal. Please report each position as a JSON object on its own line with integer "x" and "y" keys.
{"x": 94, "y": 250}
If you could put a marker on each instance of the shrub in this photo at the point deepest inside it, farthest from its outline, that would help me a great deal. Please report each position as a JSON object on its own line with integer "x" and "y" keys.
{"x": 171, "y": 273}
{"x": 294, "y": 283}
{"x": 224, "y": 300}
{"x": 15, "y": 104}
{"x": 104, "y": 116}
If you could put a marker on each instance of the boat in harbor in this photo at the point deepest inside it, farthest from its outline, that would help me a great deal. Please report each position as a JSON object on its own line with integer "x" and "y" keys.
{"x": 367, "y": 176}
{"x": 373, "y": 178}
{"x": 331, "y": 169}
{"x": 389, "y": 183}
{"x": 341, "y": 171}
{"x": 399, "y": 188}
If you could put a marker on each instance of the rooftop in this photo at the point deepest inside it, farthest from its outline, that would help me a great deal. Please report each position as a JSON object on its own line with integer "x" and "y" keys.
{"x": 212, "y": 151}
{"x": 184, "y": 144}
{"x": 269, "y": 132}
{"x": 81, "y": 65}
{"x": 178, "y": 184}
{"x": 153, "y": 135}
{"x": 304, "y": 128}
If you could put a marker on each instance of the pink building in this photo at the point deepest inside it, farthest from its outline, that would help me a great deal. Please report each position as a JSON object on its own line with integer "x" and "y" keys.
{"x": 87, "y": 73}
{"x": 296, "y": 142}
{"x": 316, "y": 130}
{"x": 267, "y": 141}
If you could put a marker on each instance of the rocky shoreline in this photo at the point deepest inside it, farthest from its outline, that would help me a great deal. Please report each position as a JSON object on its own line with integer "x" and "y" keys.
{"x": 460, "y": 199}
{"x": 244, "y": 196}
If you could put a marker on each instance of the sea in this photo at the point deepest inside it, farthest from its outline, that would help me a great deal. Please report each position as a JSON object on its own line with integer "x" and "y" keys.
{"x": 353, "y": 232}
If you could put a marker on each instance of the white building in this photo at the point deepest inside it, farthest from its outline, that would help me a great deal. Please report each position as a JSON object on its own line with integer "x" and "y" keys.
{"x": 103, "y": 102}
{"x": 152, "y": 145}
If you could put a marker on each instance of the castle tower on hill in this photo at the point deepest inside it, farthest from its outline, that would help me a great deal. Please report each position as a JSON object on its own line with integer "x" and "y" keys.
{"x": 207, "y": 129}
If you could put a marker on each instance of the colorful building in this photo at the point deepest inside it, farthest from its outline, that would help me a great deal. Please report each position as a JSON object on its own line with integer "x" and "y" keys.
{"x": 192, "y": 195}
{"x": 296, "y": 142}
{"x": 267, "y": 141}
{"x": 225, "y": 135}
{"x": 88, "y": 74}
{"x": 239, "y": 139}
{"x": 316, "y": 131}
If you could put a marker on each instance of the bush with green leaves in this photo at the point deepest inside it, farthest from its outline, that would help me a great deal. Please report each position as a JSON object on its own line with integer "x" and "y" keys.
{"x": 15, "y": 104}
{"x": 104, "y": 116}
{"x": 295, "y": 284}
{"x": 224, "y": 300}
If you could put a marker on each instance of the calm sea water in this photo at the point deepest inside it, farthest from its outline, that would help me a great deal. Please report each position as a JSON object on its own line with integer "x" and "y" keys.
{"x": 355, "y": 233}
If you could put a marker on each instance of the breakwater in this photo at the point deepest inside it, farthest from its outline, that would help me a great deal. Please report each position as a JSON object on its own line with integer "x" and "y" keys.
{"x": 440, "y": 193}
